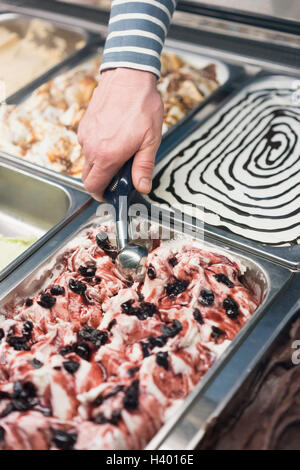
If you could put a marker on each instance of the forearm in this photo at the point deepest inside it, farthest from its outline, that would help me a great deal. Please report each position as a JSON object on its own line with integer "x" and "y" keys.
{"x": 136, "y": 34}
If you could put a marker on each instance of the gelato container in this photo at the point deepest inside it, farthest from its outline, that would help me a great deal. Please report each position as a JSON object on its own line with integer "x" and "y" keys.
{"x": 239, "y": 170}
{"x": 264, "y": 413}
{"x": 31, "y": 209}
{"x": 124, "y": 358}
{"x": 30, "y": 47}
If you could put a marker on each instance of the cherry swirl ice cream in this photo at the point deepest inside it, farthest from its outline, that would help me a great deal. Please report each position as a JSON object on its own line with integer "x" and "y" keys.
{"x": 94, "y": 361}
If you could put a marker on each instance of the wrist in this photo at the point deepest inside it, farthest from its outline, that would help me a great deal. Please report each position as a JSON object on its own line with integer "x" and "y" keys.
{"x": 129, "y": 77}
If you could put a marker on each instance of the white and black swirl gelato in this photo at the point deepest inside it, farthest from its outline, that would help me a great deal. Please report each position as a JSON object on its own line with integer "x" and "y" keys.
{"x": 241, "y": 169}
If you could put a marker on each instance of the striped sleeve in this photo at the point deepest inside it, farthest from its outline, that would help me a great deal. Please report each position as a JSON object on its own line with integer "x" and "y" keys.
{"x": 136, "y": 34}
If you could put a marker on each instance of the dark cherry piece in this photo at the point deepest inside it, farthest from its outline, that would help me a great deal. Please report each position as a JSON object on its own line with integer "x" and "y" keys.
{"x": 77, "y": 286}
{"x": 71, "y": 366}
{"x": 176, "y": 287}
{"x": 198, "y": 316}
{"x": 131, "y": 399}
{"x": 57, "y": 290}
{"x": 206, "y": 298}
{"x": 231, "y": 307}
{"x": 221, "y": 277}
{"x": 64, "y": 440}
{"x": 46, "y": 300}
{"x": 162, "y": 359}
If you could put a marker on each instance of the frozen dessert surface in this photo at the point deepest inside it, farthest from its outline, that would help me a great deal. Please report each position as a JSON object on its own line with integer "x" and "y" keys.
{"x": 11, "y": 248}
{"x": 43, "y": 129}
{"x": 23, "y": 59}
{"x": 265, "y": 415}
{"x": 93, "y": 361}
{"x": 242, "y": 165}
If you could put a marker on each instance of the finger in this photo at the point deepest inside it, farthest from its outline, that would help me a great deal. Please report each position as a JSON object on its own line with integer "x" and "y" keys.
{"x": 142, "y": 169}
{"x": 99, "y": 177}
{"x": 88, "y": 165}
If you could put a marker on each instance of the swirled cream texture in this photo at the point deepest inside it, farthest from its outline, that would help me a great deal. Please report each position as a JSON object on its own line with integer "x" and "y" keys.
{"x": 241, "y": 169}
{"x": 95, "y": 362}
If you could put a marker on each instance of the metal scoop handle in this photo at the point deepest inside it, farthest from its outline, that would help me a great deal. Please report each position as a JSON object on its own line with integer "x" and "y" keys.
{"x": 118, "y": 193}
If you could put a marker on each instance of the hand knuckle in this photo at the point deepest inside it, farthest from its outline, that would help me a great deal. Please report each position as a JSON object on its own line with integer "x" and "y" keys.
{"x": 147, "y": 165}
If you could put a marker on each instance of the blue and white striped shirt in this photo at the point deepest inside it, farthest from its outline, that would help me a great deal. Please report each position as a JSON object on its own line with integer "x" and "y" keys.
{"x": 136, "y": 34}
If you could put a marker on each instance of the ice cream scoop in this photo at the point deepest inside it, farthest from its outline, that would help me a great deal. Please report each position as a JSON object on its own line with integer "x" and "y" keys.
{"x": 131, "y": 259}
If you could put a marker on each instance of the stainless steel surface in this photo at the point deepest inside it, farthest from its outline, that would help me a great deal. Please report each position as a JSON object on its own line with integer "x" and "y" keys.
{"x": 131, "y": 261}
{"x": 288, "y": 9}
{"x": 236, "y": 30}
{"x": 234, "y": 398}
{"x": 122, "y": 234}
{"x": 33, "y": 206}
{"x": 264, "y": 277}
{"x": 75, "y": 14}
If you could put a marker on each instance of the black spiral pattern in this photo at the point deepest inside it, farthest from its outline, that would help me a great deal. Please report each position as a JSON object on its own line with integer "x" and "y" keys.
{"x": 242, "y": 165}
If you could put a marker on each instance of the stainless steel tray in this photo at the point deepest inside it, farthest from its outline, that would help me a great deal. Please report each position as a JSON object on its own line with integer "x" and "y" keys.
{"x": 19, "y": 22}
{"x": 267, "y": 278}
{"x": 234, "y": 399}
{"x": 35, "y": 206}
{"x": 285, "y": 254}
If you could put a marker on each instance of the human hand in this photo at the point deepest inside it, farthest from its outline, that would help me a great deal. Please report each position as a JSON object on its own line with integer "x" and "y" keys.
{"x": 124, "y": 118}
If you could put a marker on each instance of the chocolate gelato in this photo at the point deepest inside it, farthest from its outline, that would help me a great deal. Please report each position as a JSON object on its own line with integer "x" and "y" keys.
{"x": 265, "y": 414}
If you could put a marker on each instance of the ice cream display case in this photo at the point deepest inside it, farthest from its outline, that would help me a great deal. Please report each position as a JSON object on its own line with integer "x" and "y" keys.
{"x": 157, "y": 351}
{"x": 41, "y": 129}
{"x": 158, "y": 364}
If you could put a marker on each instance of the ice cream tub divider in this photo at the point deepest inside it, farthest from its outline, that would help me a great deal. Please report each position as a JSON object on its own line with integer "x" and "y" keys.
{"x": 264, "y": 277}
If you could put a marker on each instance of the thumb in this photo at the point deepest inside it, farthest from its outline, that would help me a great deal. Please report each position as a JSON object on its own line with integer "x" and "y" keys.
{"x": 142, "y": 169}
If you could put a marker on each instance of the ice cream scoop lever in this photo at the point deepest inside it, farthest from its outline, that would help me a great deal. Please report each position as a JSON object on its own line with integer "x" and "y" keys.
{"x": 131, "y": 259}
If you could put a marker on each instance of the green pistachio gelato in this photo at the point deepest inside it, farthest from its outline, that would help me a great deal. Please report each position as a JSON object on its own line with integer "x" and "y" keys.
{"x": 11, "y": 248}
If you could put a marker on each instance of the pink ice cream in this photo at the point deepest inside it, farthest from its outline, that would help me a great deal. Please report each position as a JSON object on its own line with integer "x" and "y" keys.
{"x": 95, "y": 362}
